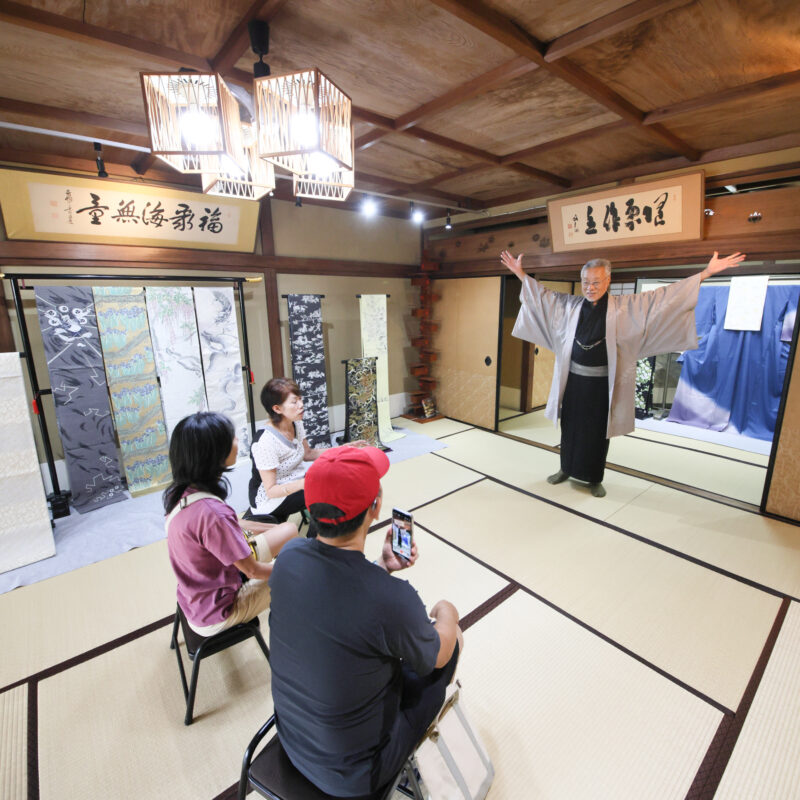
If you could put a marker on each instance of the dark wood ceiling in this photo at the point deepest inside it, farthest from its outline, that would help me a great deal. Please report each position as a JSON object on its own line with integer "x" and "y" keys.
{"x": 461, "y": 104}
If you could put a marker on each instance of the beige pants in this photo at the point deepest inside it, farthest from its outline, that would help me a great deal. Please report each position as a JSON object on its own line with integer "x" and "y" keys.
{"x": 251, "y": 599}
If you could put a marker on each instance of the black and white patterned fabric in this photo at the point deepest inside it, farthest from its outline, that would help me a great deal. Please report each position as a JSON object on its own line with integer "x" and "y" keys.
{"x": 308, "y": 365}
{"x": 78, "y": 382}
{"x": 362, "y": 401}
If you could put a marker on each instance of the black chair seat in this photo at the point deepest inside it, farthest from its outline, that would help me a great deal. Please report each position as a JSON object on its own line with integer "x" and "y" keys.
{"x": 199, "y": 647}
{"x": 273, "y": 775}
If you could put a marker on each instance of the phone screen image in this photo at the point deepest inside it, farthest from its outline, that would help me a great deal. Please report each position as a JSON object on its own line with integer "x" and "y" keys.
{"x": 402, "y": 533}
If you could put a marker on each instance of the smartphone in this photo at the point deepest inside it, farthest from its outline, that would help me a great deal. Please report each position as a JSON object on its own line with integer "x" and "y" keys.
{"x": 402, "y": 533}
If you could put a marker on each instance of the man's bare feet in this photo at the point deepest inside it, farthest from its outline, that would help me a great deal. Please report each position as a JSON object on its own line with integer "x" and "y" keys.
{"x": 597, "y": 489}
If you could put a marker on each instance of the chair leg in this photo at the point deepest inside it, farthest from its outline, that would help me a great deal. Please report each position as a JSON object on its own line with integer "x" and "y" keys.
{"x": 174, "y": 641}
{"x": 262, "y": 644}
{"x": 187, "y": 720}
{"x": 174, "y": 644}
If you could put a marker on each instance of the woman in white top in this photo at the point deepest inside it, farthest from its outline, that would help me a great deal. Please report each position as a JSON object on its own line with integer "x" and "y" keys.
{"x": 281, "y": 454}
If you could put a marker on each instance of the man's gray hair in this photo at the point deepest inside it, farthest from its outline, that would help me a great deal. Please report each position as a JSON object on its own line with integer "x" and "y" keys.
{"x": 597, "y": 263}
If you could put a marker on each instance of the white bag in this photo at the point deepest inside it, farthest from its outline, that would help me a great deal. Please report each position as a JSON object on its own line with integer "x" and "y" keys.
{"x": 452, "y": 760}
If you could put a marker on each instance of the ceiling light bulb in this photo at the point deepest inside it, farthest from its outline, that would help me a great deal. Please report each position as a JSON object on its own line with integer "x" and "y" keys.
{"x": 200, "y": 131}
{"x": 305, "y": 130}
{"x": 321, "y": 165}
{"x": 369, "y": 207}
{"x": 417, "y": 216}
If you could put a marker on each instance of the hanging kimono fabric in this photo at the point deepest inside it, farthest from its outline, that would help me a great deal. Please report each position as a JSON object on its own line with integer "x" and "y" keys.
{"x": 176, "y": 349}
{"x": 222, "y": 362}
{"x": 308, "y": 365}
{"x": 362, "y": 401}
{"x": 78, "y": 383}
{"x": 25, "y": 531}
{"x": 374, "y": 342}
{"x": 133, "y": 386}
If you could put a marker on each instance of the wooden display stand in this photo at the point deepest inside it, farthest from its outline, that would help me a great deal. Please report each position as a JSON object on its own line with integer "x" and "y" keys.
{"x": 422, "y": 342}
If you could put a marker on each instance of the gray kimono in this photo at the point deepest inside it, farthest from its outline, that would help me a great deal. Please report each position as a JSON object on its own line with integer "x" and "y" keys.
{"x": 637, "y": 325}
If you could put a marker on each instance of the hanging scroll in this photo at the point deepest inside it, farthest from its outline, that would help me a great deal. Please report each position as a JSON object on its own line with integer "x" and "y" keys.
{"x": 176, "y": 349}
{"x": 362, "y": 401}
{"x": 132, "y": 383}
{"x": 25, "y": 531}
{"x": 308, "y": 365}
{"x": 374, "y": 342}
{"x": 78, "y": 383}
{"x": 222, "y": 363}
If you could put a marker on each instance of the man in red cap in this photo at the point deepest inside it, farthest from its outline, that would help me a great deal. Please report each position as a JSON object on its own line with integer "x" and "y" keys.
{"x": 358, "y": 669}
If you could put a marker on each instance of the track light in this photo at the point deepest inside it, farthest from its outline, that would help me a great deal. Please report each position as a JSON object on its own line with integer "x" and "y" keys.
{"x": 298, "y": 202}
{"x": 417, "y": 216}
{"x": 369, "y": 208}
{"x": 448, "y": 225}
{"x": 101, "y": 165}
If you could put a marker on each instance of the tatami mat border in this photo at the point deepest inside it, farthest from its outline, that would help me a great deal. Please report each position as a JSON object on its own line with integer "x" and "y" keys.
{"x": 637, "y": 536}
{"x": 664, "y": 674}
{"x": 714, "y": 497}
{"x": 710, "y": 773}
{"x": 695, "y": 450}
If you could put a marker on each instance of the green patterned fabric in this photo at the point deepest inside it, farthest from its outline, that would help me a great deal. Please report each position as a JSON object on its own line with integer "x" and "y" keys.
{"x": 133, "y": 386}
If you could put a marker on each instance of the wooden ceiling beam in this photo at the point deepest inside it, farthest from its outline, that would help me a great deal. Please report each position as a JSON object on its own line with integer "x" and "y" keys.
{"x": 365, "y": 115}
{"x": 563, "y": 141}
{"x": 615, "y": 22}
{"x": 506, "y": 32}
{"x": 388, "y": 186}
{"x": 460, "y": 94}
{"x": 717, "y": 98}
{"x": 88, "y": 165}
{"x": 71, "y": 115}
{"x": 238, "y": 42}
{"x": 59, "y": 25}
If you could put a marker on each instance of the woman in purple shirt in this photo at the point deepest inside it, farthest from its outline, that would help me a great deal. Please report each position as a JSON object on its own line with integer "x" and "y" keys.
{"x": 207, "y": 547}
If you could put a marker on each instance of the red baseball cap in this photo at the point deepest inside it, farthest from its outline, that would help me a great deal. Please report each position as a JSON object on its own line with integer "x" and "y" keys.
{"x": 348, "y": 478}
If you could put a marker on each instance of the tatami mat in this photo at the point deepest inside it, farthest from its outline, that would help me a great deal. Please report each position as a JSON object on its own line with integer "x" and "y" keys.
{"x": 566, "y": 716}
{"x": 441, "y": 572}
{"x": 699, "y": 626}
{"x": 764, "y": 764}
{"x": 122, "y": 713}
{"x": 533, "y": 426}
{"x": 759, "y": 459}
{"x": 739, "y": 474}
{"x": 14, "y": 743}
{"x": 527, "y": 467}
{"x": 435, "y": 428}
{"x": 419, "y": 480}
{"x": 702, "y": 470}
{"x": 53, "y": 620}
{"x": 758, "y": 548}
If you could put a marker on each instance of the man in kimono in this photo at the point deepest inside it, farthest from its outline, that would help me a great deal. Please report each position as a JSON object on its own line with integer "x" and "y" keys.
{"x": 597, "y": 341}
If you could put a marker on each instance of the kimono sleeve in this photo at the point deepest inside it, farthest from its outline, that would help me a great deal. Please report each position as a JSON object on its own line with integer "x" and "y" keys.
{"x": 664, "y": 317}
{"x": 542, "y": 317}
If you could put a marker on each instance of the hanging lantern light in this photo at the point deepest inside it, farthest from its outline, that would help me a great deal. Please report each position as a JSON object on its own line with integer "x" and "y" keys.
{"x": 194, "y": 122}
{"x": 335, "y": 185}
{"x": 304, "y": 123}
{"x": 254, "y": 184}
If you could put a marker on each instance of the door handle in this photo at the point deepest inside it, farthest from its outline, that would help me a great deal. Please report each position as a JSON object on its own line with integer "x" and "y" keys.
{"x": 487, "y": 361}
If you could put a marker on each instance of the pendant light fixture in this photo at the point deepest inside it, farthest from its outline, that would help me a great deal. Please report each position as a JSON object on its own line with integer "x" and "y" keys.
{"x": 304, "y": 124}
{"x": 194, "y": 123}
{"x": 252, "y": 185}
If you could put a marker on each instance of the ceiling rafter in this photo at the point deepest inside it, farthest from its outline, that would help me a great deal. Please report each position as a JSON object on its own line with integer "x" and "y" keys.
{"x": 399, "y": 188}
{"x": 238, "y": 42}
{"x": 57, "y": 24}
{"x": 613, "y": 23}
{"x": 503, "y": 30}
{"x": 705, "y": 101}
{"x": 460, "y": 94}
{"x": 771, "y": 145}
{"x": 562, "y": 141}
{"x": 71, "y": 115}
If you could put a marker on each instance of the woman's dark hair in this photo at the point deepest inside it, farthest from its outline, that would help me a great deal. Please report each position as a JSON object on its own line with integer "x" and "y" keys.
{"x": 275, "y": 392}
{"x": 198, "y": 448}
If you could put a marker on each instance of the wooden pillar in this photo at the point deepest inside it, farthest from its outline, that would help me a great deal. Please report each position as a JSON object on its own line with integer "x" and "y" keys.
{"x": 526, "y": 380}
{"x": 6, "y": 335}
{"x": 274, "y": 322}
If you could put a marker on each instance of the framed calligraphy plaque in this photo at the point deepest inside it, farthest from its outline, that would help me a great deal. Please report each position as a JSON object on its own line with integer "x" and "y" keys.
{"x": 666, "y": 210}
{"x": 61, "y": 208}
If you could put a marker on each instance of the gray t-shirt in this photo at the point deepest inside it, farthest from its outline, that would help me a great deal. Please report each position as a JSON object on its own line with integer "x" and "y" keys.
{"x": 339, "y": 628}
